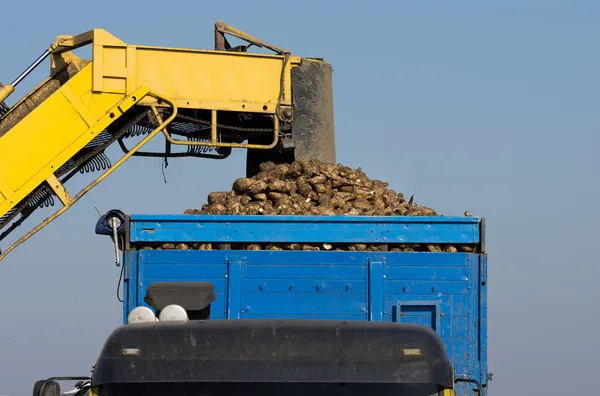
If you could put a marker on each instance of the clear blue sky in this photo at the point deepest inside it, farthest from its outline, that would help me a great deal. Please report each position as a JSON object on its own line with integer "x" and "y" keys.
{"x": 491, "y": 108}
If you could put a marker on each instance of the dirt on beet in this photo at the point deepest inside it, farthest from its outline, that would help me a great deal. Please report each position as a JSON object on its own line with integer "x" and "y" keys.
{"x": 312, "y": 188}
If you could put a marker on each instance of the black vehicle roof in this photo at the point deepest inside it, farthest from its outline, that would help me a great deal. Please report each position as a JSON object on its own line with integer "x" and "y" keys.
{"x": 274, "y": 350}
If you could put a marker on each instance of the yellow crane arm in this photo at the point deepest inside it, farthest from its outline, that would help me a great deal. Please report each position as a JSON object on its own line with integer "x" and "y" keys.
{"x": 277, "y": 106}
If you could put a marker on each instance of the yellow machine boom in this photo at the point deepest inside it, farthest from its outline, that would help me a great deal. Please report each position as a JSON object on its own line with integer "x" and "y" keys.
{"x": 277, "y": 106}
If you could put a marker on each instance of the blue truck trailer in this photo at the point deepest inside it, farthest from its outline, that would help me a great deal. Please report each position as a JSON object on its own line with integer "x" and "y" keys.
{"x": 359, "y": 285}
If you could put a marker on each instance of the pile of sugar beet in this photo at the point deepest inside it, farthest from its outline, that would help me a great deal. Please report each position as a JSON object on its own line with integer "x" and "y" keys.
{"x": 312, "y": 188}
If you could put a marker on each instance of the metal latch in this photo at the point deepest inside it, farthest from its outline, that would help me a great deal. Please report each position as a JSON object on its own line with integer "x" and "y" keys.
{"x": 115, "y": 223}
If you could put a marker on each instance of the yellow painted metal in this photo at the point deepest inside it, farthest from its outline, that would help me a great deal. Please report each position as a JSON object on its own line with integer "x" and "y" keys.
{"x": 213, "y": 135}
{"x": 59, "y": 190}
{"x": 5, "y": 191}
{"x": 69, "y": 119}
{"x": 141, "y": 93}
{"x": 212, "y": 79}
{"x": 199, "y": 79}
{"x": 121, "y": 76}
{"x": 53, "y": 133}
{"x": 5, "y": 92}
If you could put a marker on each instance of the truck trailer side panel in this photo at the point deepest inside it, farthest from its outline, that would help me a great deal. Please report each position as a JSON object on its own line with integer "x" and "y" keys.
{"x": 445, "y": 291}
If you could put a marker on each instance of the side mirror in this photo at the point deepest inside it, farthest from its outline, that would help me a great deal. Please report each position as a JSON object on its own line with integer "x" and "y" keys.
{"x": 46, "y": 388}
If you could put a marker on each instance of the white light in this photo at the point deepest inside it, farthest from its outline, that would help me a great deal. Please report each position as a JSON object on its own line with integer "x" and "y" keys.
{"x": 173, "y": 313}
{"x": 141, "y": 315}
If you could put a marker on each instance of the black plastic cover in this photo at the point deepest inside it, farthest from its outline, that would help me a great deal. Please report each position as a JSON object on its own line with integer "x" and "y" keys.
{"x": 267, "y": 389}
{"x": 274, "y": 350}
{"x": 104, "y": 228}
{"x": 192, "y": 296}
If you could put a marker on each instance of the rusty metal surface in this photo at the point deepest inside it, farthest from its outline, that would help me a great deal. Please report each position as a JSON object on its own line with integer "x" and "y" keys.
{"x": 38, "y": 95}
{"x": 313, "y": 126}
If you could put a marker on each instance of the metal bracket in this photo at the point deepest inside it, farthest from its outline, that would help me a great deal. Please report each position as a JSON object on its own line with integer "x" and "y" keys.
{"x": 471, "y": 381}
{"x": 214, "y": 138}
{"x": 221, "y": 43}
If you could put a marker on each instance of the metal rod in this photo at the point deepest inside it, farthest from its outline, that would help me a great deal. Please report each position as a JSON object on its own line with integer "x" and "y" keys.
{"x": 115, "y": 223}
{"x": 472, "y": 381}
{"x": 31, "y": 68}
{"x": 213, "y": 127}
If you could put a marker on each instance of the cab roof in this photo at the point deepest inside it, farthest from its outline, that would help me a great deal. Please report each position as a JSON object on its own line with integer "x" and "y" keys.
{"x": 274, "y": 350}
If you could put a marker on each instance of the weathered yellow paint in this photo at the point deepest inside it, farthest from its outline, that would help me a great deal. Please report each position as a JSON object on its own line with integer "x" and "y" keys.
{"x": 59, "y": 190}
{"x": 42, "y": 142}
{"x": 5, "y": 92}
{"x": 223, "y": 81}
{"x": 120, "y": 76}
{"x": 116, "y": 111}
{"x": 70, "y": 118}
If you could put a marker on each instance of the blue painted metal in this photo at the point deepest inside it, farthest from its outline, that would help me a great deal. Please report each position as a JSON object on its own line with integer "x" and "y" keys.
{"x": 417, "y": 312}
{"x": 307, "y": 229}
{"x": 445, "y": 291}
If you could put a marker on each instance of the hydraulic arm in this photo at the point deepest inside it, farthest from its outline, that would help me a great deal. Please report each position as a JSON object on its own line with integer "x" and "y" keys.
{"x": 277, "y": 106}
